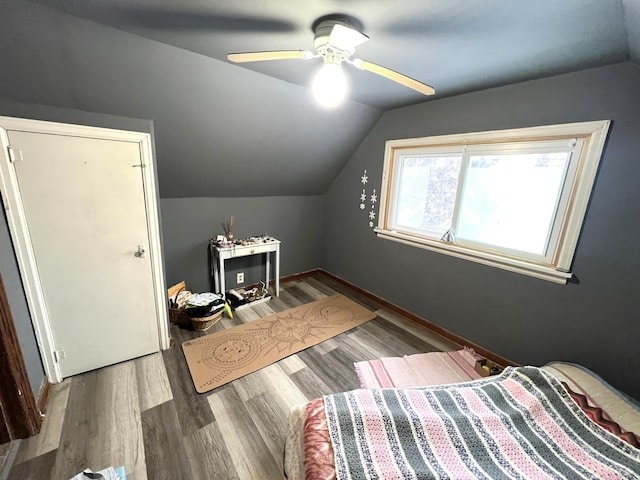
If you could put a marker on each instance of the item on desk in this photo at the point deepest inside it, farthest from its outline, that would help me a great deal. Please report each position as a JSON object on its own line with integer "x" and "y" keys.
{"x": 227, "y": 226}
{"x": 224, "y": 243}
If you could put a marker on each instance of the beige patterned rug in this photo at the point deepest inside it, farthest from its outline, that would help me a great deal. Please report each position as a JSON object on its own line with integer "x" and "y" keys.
{"x": 232, "y": 353}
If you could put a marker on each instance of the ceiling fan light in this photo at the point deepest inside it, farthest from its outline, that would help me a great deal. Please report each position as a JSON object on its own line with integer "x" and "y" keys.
{"x": 346, "y": 38}
{"x": 330, "y": 85}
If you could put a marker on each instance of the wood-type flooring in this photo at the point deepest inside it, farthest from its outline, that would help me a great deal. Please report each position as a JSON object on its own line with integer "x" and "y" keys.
{"x": 146, "y": 415}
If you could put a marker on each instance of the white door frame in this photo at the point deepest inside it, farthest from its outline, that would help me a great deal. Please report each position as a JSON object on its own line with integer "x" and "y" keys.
{"x": 22, "y": 242}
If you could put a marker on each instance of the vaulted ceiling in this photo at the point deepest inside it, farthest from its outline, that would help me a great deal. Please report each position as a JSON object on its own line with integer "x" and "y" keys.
{"x": 253, "y": 129}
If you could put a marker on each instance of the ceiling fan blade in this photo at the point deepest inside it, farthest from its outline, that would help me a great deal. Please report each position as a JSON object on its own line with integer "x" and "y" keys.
{"x": 395, "y": 76}
{"x": 181, "y": 19}
{"x": 273, "y": 55}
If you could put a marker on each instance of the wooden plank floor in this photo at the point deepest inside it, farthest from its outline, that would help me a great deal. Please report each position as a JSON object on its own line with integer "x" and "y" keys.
{"x": 146, "y": 415}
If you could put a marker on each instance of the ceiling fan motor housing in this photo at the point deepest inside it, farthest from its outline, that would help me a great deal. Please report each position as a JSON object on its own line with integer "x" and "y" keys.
{"x": 335, "y": 48}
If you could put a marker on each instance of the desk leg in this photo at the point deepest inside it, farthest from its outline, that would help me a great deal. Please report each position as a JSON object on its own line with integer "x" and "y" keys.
{"x": 277, "y": 279}
{"x": 221, "y": 274}
{"x": 215, "y": 271}
{"x": 267, "y": 262}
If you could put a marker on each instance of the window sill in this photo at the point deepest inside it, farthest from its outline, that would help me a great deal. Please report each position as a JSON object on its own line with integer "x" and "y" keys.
{"x": 544, "y": 272}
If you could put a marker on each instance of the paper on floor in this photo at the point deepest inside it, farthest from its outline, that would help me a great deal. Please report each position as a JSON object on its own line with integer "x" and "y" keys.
{"x": 109, "y": 473}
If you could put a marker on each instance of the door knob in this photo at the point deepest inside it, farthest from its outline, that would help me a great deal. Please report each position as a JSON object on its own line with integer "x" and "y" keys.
{"x": 141, "y": 253}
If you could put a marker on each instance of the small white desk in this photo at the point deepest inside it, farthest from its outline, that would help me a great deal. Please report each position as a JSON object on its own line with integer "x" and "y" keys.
{"x": 220, "y": 254}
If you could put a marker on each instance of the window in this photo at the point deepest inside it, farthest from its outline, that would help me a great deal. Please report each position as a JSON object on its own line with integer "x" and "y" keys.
{"x": 514, "y": 199}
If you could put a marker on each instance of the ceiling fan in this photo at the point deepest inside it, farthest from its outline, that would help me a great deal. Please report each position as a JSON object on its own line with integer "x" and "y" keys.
{"x": 335, "y": 39}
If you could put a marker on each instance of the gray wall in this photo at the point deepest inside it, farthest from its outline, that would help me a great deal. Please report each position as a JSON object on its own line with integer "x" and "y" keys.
{"x": 594, "y": 322}
{"x": 212, "y": 118}
{"x": 8, "y": 264}
{"x": 19, "y": 309}
{"x": 189, "y": 223}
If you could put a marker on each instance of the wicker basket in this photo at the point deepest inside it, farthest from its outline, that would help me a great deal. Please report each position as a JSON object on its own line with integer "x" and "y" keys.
{"x": 177, "y": 315}
{"x": 200, "y": 324}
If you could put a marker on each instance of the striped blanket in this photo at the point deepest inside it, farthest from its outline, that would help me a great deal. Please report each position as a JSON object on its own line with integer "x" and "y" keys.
{"x": 520, "y": 424}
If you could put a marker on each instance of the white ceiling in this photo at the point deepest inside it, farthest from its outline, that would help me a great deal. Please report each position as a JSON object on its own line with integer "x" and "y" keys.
{"x": 255, "y": 123}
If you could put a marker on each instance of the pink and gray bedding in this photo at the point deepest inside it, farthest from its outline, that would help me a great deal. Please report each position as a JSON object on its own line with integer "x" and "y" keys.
{"x": 308, "y": 449}
{"x": 520, "y": 424}
{"x": 433, "y": 368}
{"x": 615, "y": 406}
{"x": 599, "y": 416}
{"x": 318, "y": 450}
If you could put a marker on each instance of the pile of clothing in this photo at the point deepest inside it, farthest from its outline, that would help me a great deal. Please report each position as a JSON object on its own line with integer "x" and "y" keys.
{"x": 199, "y": 305}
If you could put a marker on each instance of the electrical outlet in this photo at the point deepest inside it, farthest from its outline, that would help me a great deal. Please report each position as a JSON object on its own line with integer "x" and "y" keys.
{"x": 240, "y": 278}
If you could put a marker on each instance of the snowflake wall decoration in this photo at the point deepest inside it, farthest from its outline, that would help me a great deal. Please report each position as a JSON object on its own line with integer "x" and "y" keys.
{"x": 373, "y": 198}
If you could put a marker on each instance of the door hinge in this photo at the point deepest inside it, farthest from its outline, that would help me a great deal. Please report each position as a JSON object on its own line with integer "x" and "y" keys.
{"x": 59, "y": 355}
{"x": 14, "y": 154}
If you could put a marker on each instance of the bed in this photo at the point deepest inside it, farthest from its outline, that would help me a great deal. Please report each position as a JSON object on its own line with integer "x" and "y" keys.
{"x": 557, "y": 421}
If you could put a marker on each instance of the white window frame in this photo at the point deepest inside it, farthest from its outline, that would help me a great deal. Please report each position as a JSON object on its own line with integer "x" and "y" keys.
{"x": 555, "y": 265}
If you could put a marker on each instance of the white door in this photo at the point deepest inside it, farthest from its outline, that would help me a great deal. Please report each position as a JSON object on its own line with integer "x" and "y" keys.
{"x": 84, "y": 208}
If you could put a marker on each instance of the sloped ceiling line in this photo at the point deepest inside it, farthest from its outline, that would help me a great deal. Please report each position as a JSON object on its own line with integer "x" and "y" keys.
{"x": 253, "y": 130}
